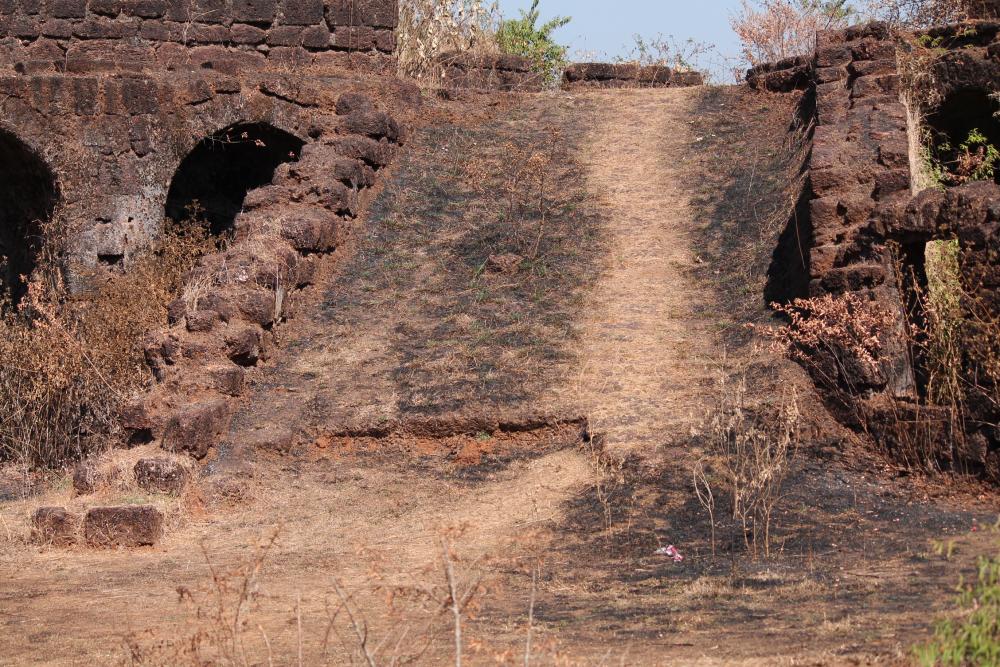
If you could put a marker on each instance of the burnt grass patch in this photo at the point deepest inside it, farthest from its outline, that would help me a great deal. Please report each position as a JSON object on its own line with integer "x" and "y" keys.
{"x": 491, "y": 271}
{"x": 750, "y": 154}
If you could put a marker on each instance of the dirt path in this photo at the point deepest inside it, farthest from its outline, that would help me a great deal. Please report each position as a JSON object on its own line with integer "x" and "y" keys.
{"x": 645, "y": 354}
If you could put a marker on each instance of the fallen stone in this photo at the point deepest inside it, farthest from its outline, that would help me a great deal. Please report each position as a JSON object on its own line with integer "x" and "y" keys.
{"x": 131, "y": 526}
{"x": 161, "y": 475}
{"x": 195, "y": 427}
{"x": 55, "y": 525}
{"x": 86, "y": 478}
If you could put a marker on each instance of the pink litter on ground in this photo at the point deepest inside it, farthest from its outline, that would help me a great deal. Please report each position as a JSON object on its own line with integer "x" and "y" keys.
{"x": 671, "y": 552}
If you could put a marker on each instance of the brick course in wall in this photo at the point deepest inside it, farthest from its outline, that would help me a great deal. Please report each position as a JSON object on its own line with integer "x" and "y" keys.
{"x": 85, "y": 36}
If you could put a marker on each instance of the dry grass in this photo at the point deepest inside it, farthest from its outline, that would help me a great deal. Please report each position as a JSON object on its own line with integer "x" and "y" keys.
{"x": 70, "y": 362}
{"x": 429, "y": 29}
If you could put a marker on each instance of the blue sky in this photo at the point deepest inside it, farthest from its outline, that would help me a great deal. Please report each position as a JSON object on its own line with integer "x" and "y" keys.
{"x": 606, "y": 28}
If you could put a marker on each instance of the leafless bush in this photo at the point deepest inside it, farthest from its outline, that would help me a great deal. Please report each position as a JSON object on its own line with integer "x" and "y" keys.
{"x": 749, "y": 450}
{"x": 429, "y": 29}
{"x": 916, "y": 13}
{"x": 772, "y": 30}
{"x": 666, "y": 51}
{"x": 524, "y": 188}
{"x": 69, "y": 362}
{"x": 846, "y": 326}
{"x": 368, "y": 620}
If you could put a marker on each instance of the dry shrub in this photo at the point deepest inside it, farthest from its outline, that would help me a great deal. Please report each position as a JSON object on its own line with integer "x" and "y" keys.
{"x": 748, "y": 456}
{"x": 370, "y": 620}
{"x": 69, "y": 362}
{"x": 916, "y": 13}
{"x": 522, "y": 172}
{"x": 666, "y": 51}
{"x": 848, "y": 326}
{"x": 429, "y": 29}
{"x": 773, "y": 30}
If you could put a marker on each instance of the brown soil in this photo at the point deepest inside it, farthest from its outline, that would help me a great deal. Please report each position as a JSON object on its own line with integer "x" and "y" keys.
{"x": 432, "y": 412}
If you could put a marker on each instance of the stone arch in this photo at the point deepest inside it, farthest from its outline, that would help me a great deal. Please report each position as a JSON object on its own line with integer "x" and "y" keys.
{"x": 962, "y": 111}
{"x": 215, "y": 176}
{"x": 28, "y": 195}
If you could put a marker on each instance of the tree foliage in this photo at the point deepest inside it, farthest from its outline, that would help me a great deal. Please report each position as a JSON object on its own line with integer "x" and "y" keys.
{"x": 524, "y": 37}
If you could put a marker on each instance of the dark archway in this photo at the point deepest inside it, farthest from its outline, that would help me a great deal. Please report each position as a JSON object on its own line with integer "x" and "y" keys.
{"x": 216, "y": 175}
{"x": 957, "y": 117}
{"x": 28, "y": 196}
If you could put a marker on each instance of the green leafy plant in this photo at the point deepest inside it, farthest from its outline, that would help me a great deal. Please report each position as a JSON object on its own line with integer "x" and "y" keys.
{"x": 975, "y": 159}
{"x": 524, "y": 37}
{"x": 973, "y": 639}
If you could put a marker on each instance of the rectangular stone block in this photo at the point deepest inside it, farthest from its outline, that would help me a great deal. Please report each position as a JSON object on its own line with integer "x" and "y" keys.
{"x": 57, "y": 29}
{"x": 130, "y": 526}
{"x": 178, "y": 10}
{"x": 254, "y": 11}
{"x": 209, "y": 11}
{"x": 242, "y": 33}
{"x": 97, "y": 28}
{"x": 147, "y": 9}
{"x": 55, "y": 526}
{"x": 85, "y": 96}
{"x": 110, "y": 8}
{"x": 373, "y": 13}
{"x": 68, "y": 9}
{"x": 162, "y": 31}
{"x": 24, "y": 27}
{"x": 139, "y": 96}
{"x": 354, "y": 39}
{"x": 207, "y": 34}
{"x": 301, "y": 12}
{"x": 196, "y": 427}
{"x": 316, "y": 37}
{"x": 286, "y": 35}
{"x": 835, "y": 55}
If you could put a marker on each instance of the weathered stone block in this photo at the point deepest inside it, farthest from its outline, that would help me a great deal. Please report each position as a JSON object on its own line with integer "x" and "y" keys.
{"x": 254, "y": 11}
{"x": 131, "y": 526}
{"x": 247, "y": 34}
{"x": 228, "y": 379}
{"x": 286, "y": 35}
{"x": 202, "y": 320}
{"x": 161, "y": 475}
{"x": 374, "y": 13}
{"x": 209, "y": 11}
{"x": 374, "y": 124}
{"x": 246, "y": 346}
{"x": 68, "y": 9}
{"x": 208, "y": 34}
{"x": 55, "y": 525}
{"x": 195, "y": 427}
{"x": 301, "y": 12}
{"x": 139, "y": 96}
{"x": 316, "y": 37}
{"x": 57, "y": 28}
{"x": 361, "y": 38}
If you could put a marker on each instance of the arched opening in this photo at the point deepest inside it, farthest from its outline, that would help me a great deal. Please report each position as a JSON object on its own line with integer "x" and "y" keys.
{"x": 965, "y": 137}
{"x": 27, "y": 198}
{"x": 216, "y": 175}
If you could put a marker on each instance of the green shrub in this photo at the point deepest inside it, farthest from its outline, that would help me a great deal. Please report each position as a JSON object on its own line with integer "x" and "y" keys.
{"x": 973, "y": 639}
{"x": 524, "y": 37}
